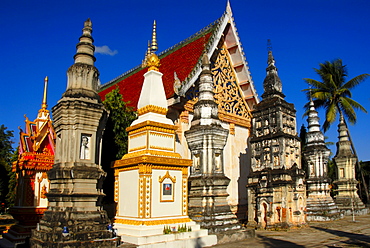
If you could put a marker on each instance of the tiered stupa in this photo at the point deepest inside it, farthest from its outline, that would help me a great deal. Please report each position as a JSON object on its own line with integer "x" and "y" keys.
{"x": 276, "y": 189}
{"x": 151, "y": 180}
{"x": 345, "y": 160}
{"x": 320, "y": 205}
{"x": 36, "y": 157}
{"x": 73, "y": 218}
{"x": 206, "y": 140}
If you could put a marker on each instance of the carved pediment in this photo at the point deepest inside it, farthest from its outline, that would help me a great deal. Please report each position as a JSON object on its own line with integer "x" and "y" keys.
{"x": 229, "y": 97}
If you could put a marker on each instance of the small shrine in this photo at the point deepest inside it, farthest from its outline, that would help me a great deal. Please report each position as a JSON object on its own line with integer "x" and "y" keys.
{"x": 151, "y": 180}
{"x": 36, "y": 157}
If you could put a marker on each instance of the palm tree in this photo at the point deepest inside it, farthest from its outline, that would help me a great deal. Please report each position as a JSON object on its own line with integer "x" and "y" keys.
{"x": 334, "y": 95}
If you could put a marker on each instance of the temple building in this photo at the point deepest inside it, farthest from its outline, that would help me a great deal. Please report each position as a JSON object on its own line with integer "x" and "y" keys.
{"x": 276, "y": 189}
{"x": 320, "y": 205}
{"x": 233, "y": 89}
{"x": 345, "y": 161}
{"x": 36, "y": 157}
{"x": 73, "y": 218}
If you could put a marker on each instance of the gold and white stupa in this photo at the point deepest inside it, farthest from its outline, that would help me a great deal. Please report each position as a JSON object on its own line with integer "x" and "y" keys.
{"x": 151, "y": 180}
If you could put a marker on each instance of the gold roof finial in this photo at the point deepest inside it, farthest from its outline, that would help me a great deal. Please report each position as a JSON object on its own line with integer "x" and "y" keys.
{"x": 44, "y": 105}
{"x": 154, "y": 46}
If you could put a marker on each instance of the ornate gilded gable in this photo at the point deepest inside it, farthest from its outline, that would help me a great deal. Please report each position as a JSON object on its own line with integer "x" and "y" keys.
{"x": 232, "y": 107}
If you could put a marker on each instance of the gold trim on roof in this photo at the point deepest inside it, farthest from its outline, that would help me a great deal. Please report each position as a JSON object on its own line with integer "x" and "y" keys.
{"x": 150, "y": 156}
{"x": 151, "y": 125}
{"x": 152, "y": 109}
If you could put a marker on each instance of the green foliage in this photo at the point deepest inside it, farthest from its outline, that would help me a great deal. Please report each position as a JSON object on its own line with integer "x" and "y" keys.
{"x": 10, "y": 197}
{"x": 120, "y": 117}
{"x": 166, "y": 230}
{"x": 333, "y": 93}
{"x": 115, "y": 138}
{"x": 6, "y": 158}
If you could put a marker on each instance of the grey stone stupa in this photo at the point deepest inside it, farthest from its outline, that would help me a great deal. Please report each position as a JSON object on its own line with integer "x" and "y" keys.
{"x": 206, "y": 138}
{"x": 320, "y": 205}
{"x": 276, "y": 189}
{"x": 345, "y": 160}
{"x": 73, "y": 218}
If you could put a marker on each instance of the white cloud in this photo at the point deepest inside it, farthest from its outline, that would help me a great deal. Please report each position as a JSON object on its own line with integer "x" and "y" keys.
{"x": 105, "y": 50}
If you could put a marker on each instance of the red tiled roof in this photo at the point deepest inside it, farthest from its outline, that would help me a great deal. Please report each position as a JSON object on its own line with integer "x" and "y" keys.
{"x": 181, "y": 59}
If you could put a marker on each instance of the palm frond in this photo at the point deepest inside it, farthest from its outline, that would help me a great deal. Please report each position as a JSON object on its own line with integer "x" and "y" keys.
{"x": 331, "y": 114}
{"x": 348, "y": 111}
{"x": 355, "y": 104}
{"x": 356, "y": 81}
{"x": 315, "y": 84}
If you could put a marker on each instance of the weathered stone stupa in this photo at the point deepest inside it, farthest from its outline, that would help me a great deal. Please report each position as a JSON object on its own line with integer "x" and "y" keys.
{"x": 151, "y": 180}
{"x": 345, "y": 160}
{"x": 206, "y": 139}
{"x": 276, "y": 189}
{"x": 73, "y": 218}
{"x": 320, "y": 205}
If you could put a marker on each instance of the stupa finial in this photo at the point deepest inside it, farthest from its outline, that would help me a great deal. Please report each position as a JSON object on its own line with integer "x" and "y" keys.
{"x": 85, "y": 48}
{"x": 44, "y": 98}
{"x": 151, "y": 59}
{"x": 154, "y": 45}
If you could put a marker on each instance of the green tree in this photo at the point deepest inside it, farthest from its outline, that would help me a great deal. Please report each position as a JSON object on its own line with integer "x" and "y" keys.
{"x": 115, "y": 140}
{"x": 10, "y": 197}
{"x": 333, "y": 93}
{"x": 6, "y": 153}
{"x": 120, "y": 117}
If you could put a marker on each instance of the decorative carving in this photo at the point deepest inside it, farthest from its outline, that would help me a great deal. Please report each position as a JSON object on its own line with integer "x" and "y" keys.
{"x": 145, "y": 168}
{"x": 152, "y": 109}
{"x": 167, "y": 175}
{"x": 229, "y": 96}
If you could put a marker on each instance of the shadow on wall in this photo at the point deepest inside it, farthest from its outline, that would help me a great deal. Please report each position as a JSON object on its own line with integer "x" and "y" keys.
{"x": 244, "y": 169}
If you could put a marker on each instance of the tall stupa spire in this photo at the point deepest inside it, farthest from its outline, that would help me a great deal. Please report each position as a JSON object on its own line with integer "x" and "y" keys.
{"x": 206, "y": 109}
{"x": 44, "y": 98}
{"x": 83, "y": 75}
{"x": 272, "y": 84}
{"x": 314, "y": 135}
{"x": 43, "y": 114}
{"x": 85, "y": 48}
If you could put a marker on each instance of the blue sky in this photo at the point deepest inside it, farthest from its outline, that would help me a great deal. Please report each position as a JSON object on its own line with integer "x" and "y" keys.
{"x": 38, "y": 39}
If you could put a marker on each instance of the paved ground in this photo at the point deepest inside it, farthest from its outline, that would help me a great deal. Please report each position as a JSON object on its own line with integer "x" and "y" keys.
{"x": 333, "y": 234}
